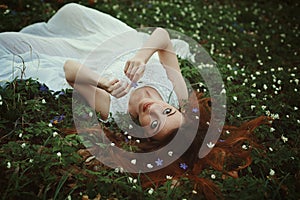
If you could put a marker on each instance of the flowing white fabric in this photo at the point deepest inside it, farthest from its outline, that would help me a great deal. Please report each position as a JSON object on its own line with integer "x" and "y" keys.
{"x": 79, "y": 33}
{"x": 72, "y": 33}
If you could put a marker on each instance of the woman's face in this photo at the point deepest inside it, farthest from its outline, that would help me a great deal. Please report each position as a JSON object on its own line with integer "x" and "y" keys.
{"x": 158, "y": 118}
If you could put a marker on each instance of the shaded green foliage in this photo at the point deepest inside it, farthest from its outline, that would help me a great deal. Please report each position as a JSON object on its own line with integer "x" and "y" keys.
{"x": 256, "y": 46}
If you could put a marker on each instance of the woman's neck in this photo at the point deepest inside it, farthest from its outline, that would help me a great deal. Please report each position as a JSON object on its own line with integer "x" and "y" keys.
{"x": 138, "y": 95}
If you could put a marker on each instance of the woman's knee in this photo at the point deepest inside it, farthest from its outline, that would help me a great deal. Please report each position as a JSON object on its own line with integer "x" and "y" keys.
{"x": 70, "y": 7}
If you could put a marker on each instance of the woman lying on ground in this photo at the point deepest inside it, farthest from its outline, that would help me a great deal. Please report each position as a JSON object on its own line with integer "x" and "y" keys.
{"x": 153, "y": 105}
{"x": 151, "y": 90}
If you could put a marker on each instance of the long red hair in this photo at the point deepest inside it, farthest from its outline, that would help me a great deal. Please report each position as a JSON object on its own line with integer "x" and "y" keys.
{"x": 227, "y": 151}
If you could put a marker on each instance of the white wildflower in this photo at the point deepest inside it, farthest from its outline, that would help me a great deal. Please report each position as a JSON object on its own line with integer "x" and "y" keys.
{"x": 117, "y": 170}
{"x": 235, "y": 98}
{"x": 272, "y": 172}
{"x": 170, "y": 153}
{"x": 272, "y": 129}
{"x": 271, "y": 149}
{"x": 212, "y": 49}
{"x": 133, "y": 161}
{"x": 150, "y": 166}
{"x": 210, "y": 145}
{"x": 213, "y": 176}
{"x": 150, "y": 191}
{"x": 229, "y": 78}
{"x": 8, "y": 165}
{"x": 130, "y": 179}
{"x": 275, "y": 116}
{"x": 54, "y": 134}
{"x": 43, "y": 101}
{"x": 284, "y": 139}
{"x": 58, "y": 154}
{"x": 50, "y": 125}
{"x": 90, "y": 114}
{"x": 23, "y": 145}
{"x": 169, "y": 177}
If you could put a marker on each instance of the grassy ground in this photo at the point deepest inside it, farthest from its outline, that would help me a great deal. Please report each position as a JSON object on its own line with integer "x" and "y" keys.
{"x": 256, "y": 46}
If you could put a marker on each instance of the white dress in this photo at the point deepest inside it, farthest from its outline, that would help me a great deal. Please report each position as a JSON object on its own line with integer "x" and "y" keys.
{"x": 91, "y": 37}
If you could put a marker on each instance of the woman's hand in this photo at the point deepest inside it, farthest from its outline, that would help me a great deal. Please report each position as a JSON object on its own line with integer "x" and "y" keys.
{"x": 134, "y": 69}
{"x": 115, "y": 87}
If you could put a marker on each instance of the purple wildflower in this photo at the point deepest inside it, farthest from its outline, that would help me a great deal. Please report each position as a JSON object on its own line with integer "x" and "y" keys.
{"x": 57, "y": 119}
{"x": 159, "y": 162}
{"x": 195, "y": 110}
{"x": 134, "y": 84}
{"x": 43, "y": 88}
{"x": 61, "y": 93}
{"x": 183, "y": 166}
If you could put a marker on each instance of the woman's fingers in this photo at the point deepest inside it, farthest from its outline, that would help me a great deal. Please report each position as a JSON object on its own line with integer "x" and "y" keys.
{"x": 128, "y": 69}
{"x": 132, "y": 67}
{"x": 120, "y": 89}
{"x": 131, "y": 70}
{"x": 138, "y": 73}
{"x": 126, "y": 66}
{"x": 109, "y": 85}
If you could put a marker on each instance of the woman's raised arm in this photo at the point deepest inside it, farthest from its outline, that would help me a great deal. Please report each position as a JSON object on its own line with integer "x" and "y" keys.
{"x": 159, "y": 41}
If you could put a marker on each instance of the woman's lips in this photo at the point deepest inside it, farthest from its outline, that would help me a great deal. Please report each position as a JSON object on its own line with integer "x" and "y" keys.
{"x": 146, "y": 106}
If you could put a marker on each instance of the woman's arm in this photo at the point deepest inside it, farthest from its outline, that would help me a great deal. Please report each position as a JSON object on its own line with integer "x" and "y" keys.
{"x": 159, "y": 41}
{"x": 94, "y": 88}
{"x": 75, "y": 72}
